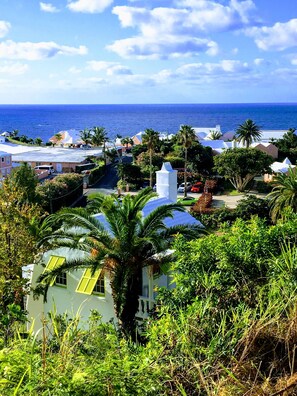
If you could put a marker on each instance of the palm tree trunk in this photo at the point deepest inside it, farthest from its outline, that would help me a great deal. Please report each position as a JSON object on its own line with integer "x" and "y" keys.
{"x": 127, "y": 307}
{"x": 185, "y": 172}
{"x": 151, "y": 171}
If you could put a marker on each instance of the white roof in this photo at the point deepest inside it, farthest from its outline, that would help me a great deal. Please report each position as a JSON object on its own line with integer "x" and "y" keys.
{"x": 268, "y": 134}
{"x": 179, "y": 218}
{"x": 282, "y": 167}
{"x": 47, "y": 154}
{"x": 4, "y": 153}
{"x": 216, "y": 144}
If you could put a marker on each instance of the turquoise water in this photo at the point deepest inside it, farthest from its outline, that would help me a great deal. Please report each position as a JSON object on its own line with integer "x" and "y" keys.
{"x": 46, "y": 120}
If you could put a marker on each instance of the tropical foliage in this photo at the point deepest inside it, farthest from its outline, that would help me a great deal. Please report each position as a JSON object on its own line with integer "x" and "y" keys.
{"x": 131, "y": 243}
{"x": 18, "y": 221}
{"x": 186, "y": 136}
{"x": 284, "y": 193}
{"x": 151, "y": 139}
{"x": 241, "y": 165}
{"x": 247, "y": 133}
{"x": 228, "y": 328}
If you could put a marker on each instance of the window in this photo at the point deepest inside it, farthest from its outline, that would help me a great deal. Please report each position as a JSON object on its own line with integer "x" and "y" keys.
{"x": 61, "y": 280}
{"x": 54, "y": 262}
{"x": 2, "y": 159}
{"x": 100, "y": 285}
{"x": 8, "y": 160}
{"x": 88, "y": 281}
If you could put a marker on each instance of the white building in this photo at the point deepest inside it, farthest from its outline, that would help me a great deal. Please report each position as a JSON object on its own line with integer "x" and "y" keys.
{"x": 204, "y": 133}
{"x": 81, "y": 291}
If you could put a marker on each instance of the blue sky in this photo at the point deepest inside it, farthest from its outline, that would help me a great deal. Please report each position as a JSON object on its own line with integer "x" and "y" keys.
{"x": 152, "y": 51}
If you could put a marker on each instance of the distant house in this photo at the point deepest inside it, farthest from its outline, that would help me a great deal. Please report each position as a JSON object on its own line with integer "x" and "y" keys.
{"x": 204, "y": 133}
{"x": 5, "y": 164}
{"x": 137, "y": 139}
{"x": 83, "y": 291}
{"x": 218, "y": 146}
{"x": 267, "y": 148}
{"x": 279, "y": 167}
{"x": 67, "y": 138}
{"x": 267, "y": 135}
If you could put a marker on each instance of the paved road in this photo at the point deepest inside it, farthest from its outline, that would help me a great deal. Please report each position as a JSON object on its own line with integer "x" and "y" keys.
{"x": 108, "y": 183}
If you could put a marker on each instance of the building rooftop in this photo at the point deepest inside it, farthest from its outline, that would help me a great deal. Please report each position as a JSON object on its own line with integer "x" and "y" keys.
{"x": 48, "y": 154}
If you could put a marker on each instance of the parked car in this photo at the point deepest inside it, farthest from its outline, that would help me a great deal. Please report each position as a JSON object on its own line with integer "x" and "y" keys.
{"x": 49, "y": 168}
{"x": 197, "y": 187}
{"x": 188, "y": 201}
{"x": 181, "y": 188}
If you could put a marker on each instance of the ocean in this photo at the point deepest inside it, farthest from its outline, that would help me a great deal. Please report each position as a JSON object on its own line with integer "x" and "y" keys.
{"x": 45, "y": 120}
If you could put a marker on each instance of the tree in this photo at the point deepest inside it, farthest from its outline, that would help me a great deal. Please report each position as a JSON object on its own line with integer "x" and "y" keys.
{"x": 215, "y": 135}
{"x": 86, "y": 135}
{"x": 241, "y": 165}
{"x": 18, "y": 220}
{"x": 38, "y": 141}
{"x": 126, "y": 141}
{"x": 247, "y": 133}
{"x": 99, "y": 138}
{"x": 58, "y": 137}
{"x": 151, "y": 139}
{"x": 284, "y": 193}
{"x": 131, "y": 243}
{"x": 186, "y": 136}
{"x": 24, "y": 180}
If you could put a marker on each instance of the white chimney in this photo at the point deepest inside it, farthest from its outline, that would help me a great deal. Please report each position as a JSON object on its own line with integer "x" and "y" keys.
{"x": 167, "y": 182}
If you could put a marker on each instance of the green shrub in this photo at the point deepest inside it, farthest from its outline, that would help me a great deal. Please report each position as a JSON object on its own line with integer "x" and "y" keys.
{"x": 96, "y": 173}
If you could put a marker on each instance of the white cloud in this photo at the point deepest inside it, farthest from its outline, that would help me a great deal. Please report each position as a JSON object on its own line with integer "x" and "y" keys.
{"x": 165, "y": 47}
{"x": 179, "y": 31}
{"x": 276, "y": 38}
{"x": 110, "y": 68}
{"x": 196, "y": 70}
{"x": 48, "y": 7}
{"x": 4, "y": 28}
{"x": 37, "y": 51}
{"x": 13, "y": 68}
{"x": 202, "y": 17}
{"x": 89, "y": 6}
{"x": 259, "y": 61}
{"x": 74, "y": 70}
{"x": 294, "y": 61}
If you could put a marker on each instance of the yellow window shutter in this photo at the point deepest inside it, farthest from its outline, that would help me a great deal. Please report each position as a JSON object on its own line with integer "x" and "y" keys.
{"x": 88, "y": 281}
{"x": 53, "y": 263}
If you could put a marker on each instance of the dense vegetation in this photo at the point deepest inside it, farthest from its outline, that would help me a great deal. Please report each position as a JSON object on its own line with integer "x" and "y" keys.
{"x": 227, "y": 328}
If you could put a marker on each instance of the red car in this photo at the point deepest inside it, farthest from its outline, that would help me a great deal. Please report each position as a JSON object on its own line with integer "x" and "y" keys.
{"x": 197, "y": 187}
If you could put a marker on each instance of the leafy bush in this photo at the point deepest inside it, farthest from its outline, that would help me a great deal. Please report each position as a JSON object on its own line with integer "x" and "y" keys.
{"x": 96, "y": 173}
{"x": 63, "y": 190}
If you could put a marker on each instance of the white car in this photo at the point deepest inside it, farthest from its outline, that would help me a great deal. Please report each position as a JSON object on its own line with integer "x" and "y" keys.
{"x": 181, "y": 188}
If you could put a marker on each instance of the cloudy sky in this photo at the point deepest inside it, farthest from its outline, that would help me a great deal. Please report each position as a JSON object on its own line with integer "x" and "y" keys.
{"x": 148, "y": 51}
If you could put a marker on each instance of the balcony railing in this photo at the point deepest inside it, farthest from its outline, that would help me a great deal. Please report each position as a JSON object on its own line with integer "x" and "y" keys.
{"x": 144, "y": 307}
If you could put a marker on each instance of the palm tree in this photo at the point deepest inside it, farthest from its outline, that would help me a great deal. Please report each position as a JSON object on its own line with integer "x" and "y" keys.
{"x": 99, "y": 138}
{"x": 248, "y": 132}
{"x": 126, "y": 141}
{"x": 86, "y": 135}
{"x": 186, "y": 136}
{"x": 215, "y": 135}
{"x": 58, "y": 137}
{"x": 98, "y": 135}
{"x": 129, "y": 244}
{"x": 151, "y": 139}
{"x": 284, "y": 193}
